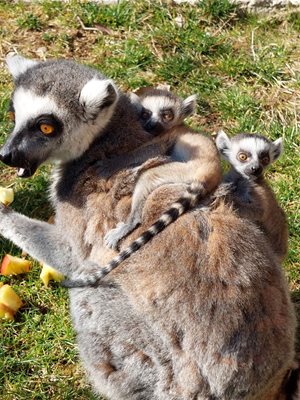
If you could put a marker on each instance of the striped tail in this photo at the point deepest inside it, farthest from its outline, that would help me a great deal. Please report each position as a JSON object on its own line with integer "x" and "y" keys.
{"x": 189, "y": 199}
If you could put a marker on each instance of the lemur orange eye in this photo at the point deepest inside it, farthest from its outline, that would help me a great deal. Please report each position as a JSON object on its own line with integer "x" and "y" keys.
{"x": 11, "y": 115}
{"x": 46, "y": 129}
{"x": 146, "y": 115}
{"x": 243, "y": 157}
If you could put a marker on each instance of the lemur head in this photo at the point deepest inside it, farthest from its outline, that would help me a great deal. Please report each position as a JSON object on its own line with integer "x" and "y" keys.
{"x": 58, "y": 108}
{"x": 160, "y": 110}
{"x": 249, "y": 154}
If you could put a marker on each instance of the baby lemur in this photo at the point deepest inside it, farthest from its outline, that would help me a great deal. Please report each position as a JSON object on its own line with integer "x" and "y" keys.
{"x": 249, "y": 155}
{"x": 160, "y": 110}
{"x": 194, "y": 160}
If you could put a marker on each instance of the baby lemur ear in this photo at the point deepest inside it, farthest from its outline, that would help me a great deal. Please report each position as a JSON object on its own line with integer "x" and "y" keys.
{"x": 189, "y": 105}
{"x": 277, "y": 148}
{"x": 96, "y": 95}
{"x": 136, "y": 101}
{"x": 223, "y": 143}
{"x": 17, "y": 65}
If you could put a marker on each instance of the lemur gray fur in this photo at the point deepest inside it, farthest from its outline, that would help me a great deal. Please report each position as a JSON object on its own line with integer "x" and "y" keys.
{"x": 193, "y": 315}
{"x": 249, "y": 155}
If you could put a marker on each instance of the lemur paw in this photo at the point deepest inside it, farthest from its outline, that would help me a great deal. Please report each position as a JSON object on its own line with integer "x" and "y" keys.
{"x": 112, "y": 238}
{"x": 5, "y": 209}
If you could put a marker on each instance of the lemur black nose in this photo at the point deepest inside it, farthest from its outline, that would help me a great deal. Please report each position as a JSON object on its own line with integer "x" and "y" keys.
{"x": 256, "y": 170}
{"x": 5, "y": 156}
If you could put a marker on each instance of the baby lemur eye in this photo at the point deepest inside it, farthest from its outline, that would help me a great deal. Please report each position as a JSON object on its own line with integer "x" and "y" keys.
{"x": 265, "y": 160}
{"x": 242, "y": 156}
{"x": 167, "y": 115}
{"x": 46, "y": 129}
{"x": 146, "y": 114}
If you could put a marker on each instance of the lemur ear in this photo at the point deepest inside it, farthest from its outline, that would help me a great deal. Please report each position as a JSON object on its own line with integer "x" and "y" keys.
{"x": 96, "y": 95}
{"x": 189, "y": 105}
{"x": 223, "y": 143}
{"x": 277, "y": 148}
{"x": 136, "y": 101}
{"x": 17, "y": 65}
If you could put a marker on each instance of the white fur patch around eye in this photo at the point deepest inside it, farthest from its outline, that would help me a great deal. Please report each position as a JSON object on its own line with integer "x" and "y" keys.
{"x": 157, "y": 103}
{"x": 252, "y": 145}
{"x": 28, "y": 105}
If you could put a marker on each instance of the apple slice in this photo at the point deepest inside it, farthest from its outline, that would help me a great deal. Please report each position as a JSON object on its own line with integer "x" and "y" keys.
{"x": 6, "y": 313}
{"x": 10, "y": 302}
{"x": 6, "y": 196}
{"x": 9, "y": 298}
{"x": 50, "y": 274}
{"x": 14, "y": 265}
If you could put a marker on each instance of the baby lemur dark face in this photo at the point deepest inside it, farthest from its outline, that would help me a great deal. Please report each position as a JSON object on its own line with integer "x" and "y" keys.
{"x": 159, "y": 110}
{"x": 249, "y": 154}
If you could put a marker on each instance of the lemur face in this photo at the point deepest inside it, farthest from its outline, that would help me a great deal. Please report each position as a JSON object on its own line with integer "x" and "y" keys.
{"x": 249, "y": 154}
{"x": 160, "y": 110}
{"x": 58, "y": 107}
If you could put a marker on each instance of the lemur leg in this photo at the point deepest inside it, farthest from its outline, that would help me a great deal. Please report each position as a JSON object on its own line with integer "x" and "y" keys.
{"x": 140, "y": 194}
{"x": 41, "y": 240}
{"x": 147, "y": 183}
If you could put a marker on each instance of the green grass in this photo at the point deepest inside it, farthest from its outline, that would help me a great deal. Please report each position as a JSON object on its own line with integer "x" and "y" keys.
{"x": 245, "y": 70}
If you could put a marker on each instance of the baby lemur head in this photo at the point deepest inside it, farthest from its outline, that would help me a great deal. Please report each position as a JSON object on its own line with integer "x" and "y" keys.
{"x": 58, "y": 109}
{"x": 160, "y": 109}
{"x": 249, "y": 154}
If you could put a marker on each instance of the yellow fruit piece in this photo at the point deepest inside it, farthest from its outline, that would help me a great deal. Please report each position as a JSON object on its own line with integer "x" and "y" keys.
{"x": 14, "y": 265}
{"x": 10, "y": 302}
{"x": 6, "y": 313}
{"x": 6, "y": 196}
{"x": 50, "y": 274}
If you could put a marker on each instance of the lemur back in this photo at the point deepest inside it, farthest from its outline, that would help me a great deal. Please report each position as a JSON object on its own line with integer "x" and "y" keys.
{"x": 194, "y": 161}
{"x": 249, "y": 155}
